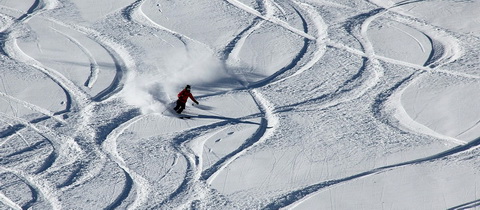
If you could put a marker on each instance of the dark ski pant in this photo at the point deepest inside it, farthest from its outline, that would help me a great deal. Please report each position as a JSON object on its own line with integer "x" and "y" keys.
{"x": 180, "y": 107}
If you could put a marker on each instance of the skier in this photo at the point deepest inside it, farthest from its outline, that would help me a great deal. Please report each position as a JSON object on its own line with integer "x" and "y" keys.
{"x": 182, "y": 99}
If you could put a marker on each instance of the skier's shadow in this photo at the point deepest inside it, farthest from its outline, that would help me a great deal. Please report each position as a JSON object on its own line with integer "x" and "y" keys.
{"x": 217, "y": 117}
{"x": 203, "y": 107}
{"x": 230, "y": 119}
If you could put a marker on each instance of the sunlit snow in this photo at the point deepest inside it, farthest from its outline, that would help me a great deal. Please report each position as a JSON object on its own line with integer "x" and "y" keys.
{"x": 304, "y": 104}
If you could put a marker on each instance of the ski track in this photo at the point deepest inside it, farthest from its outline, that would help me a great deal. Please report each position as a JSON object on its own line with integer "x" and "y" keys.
{"x": 295, "y": 197}
{"x": 190, "y": 144}
{"x": 10, "y": 49}
{"x": 366, "y": 78}
{"x": 89, "y": 160}
{"x": 11, "y": 132}
{"x": 37, "y": 187}
{"x": 121, "y": 57}
{"x": 79, "y": 96}
{"x": 232, "y": 50}
{"x": 5, "y": 200}
{"x": 133, "y": 178}
{"x": 194, "y": 185}
{"x": 345, "y": 93}
{"x": 445, "y": 48}
{"x": 281, "y": 23}
{"x": 230, "y": 54}
{"x": 36, "y": 8}
{"x": 285, "y": 70}
{"x": 265, "y": 131}
{"x": 57, "y": 141}
{"x": 94, "y": 67}
{"x": 32, "y": 107}
{"x": 83, "y": 102}
{"x": 429, "y": 68}
{"x": 190, "y": 189}
{"x": 210, "y": 173}
{"x": 321, "y": 36}
{"x": 391, "y": 100}
{"x": 284, "y": 14}
{"x": 134, "y": 13}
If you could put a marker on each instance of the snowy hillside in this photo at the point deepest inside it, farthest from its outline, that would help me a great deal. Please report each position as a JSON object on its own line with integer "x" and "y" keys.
{"x": 304, "y": 104}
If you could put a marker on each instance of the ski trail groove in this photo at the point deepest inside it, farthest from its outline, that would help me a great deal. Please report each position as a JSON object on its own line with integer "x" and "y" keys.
{"x": 281, "y": 23}
{"x": 9, "y": 203}
{"x": 134, "y": 13}
{"x": 267, "y": 128}
{"x": 291, "y": 65}
{"x": 124, "y": 194}
{"x": 230, "y": 54}
{"x": 322, "y": 35}
{"x": 32, "y": 107}
{"x": 284, "y": 14}
{"x": 10, "y": 48}
{"x": 65, "y": 149}
{"x": 90, "y": 147}
{"x": 388, "y": 105}
{"x": 411, "y": 36}
{"x": 444, "y": 51}
{"x": 11, "y": 132}
{"x": 232, "y": 50}
{"x": 18, "y": 179}
{"x": 293, "y": 198}
{"x": 91, "y": 159}
{"x": 417, "y": 67}
{"x": 194, "y": 186}
{"x": 16, "y": 53}
{"x": 37, "y": 188}
{"x": 94, "y": 67}
{"x": 123, "y": 61}
{"x": 10, "y": 28}
{"x": 365, "y": 79}
{"x": 469, "y": 128}
{"x": 132, "y": 178}
{"x": 445, "y": 47}
{"x": 88, "y": 169}
{"x": 38, "y": 7}
{"x": 210, "y": 173}
{"x": 190, "y": 189}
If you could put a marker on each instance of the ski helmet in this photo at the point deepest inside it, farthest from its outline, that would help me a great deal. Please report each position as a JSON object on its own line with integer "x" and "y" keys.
{"x": 187, "y": 87}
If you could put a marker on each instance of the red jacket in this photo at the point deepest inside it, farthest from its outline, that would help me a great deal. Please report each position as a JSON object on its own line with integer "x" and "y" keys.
{"x": 184, "y": 95}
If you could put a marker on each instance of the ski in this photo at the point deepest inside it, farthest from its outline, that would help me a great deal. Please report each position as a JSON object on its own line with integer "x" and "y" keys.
{"x": 184, "y": 116}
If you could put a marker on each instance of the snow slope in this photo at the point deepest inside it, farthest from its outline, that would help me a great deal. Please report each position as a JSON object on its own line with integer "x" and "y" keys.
{"x": 304, "y": 104}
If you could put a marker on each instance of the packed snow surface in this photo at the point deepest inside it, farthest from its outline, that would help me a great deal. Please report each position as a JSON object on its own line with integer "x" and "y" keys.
{"x": 304, "y": 104}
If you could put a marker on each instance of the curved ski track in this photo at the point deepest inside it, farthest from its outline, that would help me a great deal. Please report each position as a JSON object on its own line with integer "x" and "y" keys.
{"x": 67, "y": 150}
{"x": 87, "y": 150}
{"x": 94, "y": 67}
{"x": 292, "y": 199}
